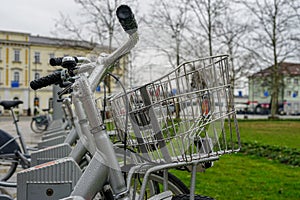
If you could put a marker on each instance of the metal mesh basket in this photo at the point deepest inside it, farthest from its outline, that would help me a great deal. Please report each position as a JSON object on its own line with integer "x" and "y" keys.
{"x": 184, "y": 116}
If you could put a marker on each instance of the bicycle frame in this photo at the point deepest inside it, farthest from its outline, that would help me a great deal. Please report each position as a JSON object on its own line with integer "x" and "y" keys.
{"x": 104, "y": 163}
{"x": 11, "y": 151}
{"x": 19, "y": 136}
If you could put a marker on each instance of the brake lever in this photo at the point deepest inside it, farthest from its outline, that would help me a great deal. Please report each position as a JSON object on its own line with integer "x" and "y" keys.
{"x": 66, "y": 90}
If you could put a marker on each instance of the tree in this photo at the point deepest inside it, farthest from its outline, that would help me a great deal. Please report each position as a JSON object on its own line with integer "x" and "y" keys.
{"x": 230, "y": 34}
{"x": 275, "y": 25}
{"x": 206, "y": 13}
{"x": 168, "y": 21}
{"x": 98, "y": 24}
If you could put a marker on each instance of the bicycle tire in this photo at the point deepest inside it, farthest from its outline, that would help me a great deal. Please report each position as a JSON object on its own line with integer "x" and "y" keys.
{"x": 35, "y": 128}
{"x": 174, "y": 183}
{"x": 187, "y": 197}
{"x": 155, "y": 185}
{"x": 8, "y": 168}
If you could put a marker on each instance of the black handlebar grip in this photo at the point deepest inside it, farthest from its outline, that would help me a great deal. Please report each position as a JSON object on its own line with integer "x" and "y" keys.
{"x": 55, "y": 61}
{"x": 46, "y": 81}
{"x": 126, "y": 19}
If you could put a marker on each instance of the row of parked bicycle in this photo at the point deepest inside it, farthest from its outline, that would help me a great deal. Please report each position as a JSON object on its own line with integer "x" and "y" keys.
{"x": 78, "y": 159}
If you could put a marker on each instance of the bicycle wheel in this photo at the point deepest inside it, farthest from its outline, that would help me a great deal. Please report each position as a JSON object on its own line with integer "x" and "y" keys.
{"x": 36, "y": 127}
{"x": 155, "y": 186}
{"x": 7, "y": 168}
{"x": 187, "y": 197}
{"x": 175, "y": 185}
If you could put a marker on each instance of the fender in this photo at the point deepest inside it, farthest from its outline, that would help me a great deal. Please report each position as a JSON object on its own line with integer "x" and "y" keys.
{"x": 7, "y": 143}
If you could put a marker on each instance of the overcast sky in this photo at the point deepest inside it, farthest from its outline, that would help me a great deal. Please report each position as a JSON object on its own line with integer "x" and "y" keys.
{"x": 37, "y": 16}
{"x": 34, "y": 16}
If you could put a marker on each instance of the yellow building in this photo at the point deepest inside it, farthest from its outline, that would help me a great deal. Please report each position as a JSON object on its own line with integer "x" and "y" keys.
{"x": 24, "y": 57}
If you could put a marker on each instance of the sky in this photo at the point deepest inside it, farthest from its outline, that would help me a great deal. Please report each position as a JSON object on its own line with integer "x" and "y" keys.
{"x": 38, "y": 17}
{"x": 34, "y": 16}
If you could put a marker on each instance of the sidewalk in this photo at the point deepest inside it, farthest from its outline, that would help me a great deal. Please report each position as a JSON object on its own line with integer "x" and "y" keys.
{"x": 31, "y": 139}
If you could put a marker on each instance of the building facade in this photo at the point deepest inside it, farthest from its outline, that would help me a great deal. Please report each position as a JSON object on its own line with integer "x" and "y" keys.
{"x": 260, "y": 89}
{"x": 24, "y": 57}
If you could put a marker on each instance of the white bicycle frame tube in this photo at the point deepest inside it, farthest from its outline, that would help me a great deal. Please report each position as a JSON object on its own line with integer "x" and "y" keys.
{"x": 105, "y": 158}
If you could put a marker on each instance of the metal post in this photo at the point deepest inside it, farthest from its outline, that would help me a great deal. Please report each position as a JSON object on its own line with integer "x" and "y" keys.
{"x": 193, "y": 182}
{"x": 57, "y": 106}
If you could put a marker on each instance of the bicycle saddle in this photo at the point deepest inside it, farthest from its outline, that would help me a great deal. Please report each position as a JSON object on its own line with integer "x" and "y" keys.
{"x": 7, "y": 104}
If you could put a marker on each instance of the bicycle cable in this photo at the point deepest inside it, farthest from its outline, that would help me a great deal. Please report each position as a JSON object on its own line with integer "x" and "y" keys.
{"x": 127, "y": 113}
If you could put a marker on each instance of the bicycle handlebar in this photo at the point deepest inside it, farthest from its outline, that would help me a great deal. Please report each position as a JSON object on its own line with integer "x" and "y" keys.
{"x": 126, "y": 19}
{"x": 128, "y": 22}
{"x": 55, "y": 61}
{"x": 46, "y": 81}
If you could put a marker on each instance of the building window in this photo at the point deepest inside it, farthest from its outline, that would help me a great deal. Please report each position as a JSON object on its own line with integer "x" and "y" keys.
{"x": 296, "y": 81}
{"x": 288, "y": 93}
{"x": 0, "y": 54}
{"x": 15, "y": 83}
{"x": 16, "y": 77}
{"x": 36, "y": 75}
{"x": 37, "y": 57}
{"x": 288, "y": 81}
{"x": 17, "y": 55}
{"x": 51, "y": 55}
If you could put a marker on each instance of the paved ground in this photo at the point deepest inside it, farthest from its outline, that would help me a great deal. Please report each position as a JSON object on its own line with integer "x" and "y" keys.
{"x": 251, "y": 116}
{"x": 31, "y": 140}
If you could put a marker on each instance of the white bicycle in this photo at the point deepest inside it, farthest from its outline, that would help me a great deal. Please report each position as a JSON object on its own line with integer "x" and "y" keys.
{"x": 158, "y": 129}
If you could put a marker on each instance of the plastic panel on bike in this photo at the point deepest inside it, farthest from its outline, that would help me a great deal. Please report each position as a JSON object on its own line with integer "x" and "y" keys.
{"x": 7, "y": 143}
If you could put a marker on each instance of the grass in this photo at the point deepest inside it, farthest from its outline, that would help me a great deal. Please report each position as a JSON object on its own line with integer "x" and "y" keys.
{"x": 245, "y": 177}
{"x": 278, "y": 133}
{"x": 242, "y": 176}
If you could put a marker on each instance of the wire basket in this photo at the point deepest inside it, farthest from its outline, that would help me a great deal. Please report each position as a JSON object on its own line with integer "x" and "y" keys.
{"x": 184, "y": 116}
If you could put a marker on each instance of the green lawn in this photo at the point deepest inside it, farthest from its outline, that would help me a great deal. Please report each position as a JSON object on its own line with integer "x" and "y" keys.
{"x": 242, "y": 176}
{"x": 279, "y": 133}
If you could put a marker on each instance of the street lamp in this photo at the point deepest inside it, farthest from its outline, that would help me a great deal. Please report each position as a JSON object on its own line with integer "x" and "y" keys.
{"x": 35, "y": 102}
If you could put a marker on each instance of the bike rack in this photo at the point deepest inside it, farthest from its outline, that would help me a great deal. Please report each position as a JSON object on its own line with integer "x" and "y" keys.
{"x": 52, "y": 142}
{"x": 52, "y": 180}
{"x": 54, "y": 134}
{"x": 50, "y": 154}
{"x": 54, "y": 152}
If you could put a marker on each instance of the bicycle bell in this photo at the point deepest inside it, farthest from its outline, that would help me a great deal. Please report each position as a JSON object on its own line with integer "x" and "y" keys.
{"x": 69, "y": 62}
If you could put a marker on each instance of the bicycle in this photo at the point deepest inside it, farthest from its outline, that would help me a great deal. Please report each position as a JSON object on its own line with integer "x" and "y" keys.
{"x": 40, "y": 122}
{"x": 43, "y": 123}
{"x": 152, "y": 140}
{"x": 11, "y": 153}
